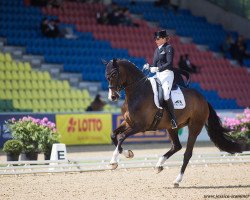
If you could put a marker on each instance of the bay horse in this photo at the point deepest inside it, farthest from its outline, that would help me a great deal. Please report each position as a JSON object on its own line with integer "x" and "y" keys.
{"x": 139, "y": 110}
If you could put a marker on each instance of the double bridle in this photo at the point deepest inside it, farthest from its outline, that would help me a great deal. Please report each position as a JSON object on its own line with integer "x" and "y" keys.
{"x": 118, "y": 87}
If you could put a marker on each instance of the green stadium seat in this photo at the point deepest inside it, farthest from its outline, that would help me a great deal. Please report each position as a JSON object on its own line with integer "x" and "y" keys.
{"x": 22, "y": 94}
{"x": 28, "y": 84}
{"x": 2, "y": 57}
{"x": 48, "y": 94}
{"x": 2, "y": 94}
{"x": 15, "y": 94}
{"x": 41, "y": 84}
{"x": 66, "y": 85}
{"x": 34, "y": 84}
{"x": 28, "y": 94}
{"x": 27, "y": 66}
{"x": 22, "y": 84}
{"x": 2, "y": 75}
{"x": 15, "y": 75}
{"x": 8, "y": 84}
{"x": 2, "y": 66}
{"x": 8, "y": 57}
{"x": 27, "y": 75}
{"x": 14, "y": 66}
{"x": 34, "y": 75}
{"x": 2, "y": 84}
{"x": 35, "y": 94}
{"x": 15, "y": 85}
{"x": 8, "y": 75}
{"x": 46, "y": 76}
{"x": 41, "y": 94}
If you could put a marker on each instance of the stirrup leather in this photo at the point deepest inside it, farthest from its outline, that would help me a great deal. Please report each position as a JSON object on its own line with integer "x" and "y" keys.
{"x": 174, "y": 125}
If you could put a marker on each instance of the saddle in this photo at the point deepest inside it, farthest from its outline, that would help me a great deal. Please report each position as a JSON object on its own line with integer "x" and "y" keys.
{"x": 176, "y": 94}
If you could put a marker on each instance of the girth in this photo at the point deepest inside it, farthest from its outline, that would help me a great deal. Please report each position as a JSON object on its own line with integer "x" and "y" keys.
{"x": 156, "y": 121}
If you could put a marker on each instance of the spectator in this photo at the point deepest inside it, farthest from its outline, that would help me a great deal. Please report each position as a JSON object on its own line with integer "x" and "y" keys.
{"x": 55, "y": 3}
{"x": 239, "y": 50}
{"x": 126, "y": 19}
{"x": 97, "y": 104}
{"x": 185, "y": 64}
{"x": 175, "y": 5}
{"x": 50, "y": 28}
{"x": 226, "y": 46}
{"x": 115, "y": 15}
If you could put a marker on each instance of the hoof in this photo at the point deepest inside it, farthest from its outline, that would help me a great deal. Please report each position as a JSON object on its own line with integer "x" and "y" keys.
{"x": 176, "y": 185}
{"x": 159, "y": 169}
{"x": 113, "y": 165}
{"x": 130, "y": 154}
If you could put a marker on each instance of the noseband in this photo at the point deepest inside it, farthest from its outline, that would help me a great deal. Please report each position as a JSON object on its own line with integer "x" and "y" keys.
{"x": 118, "y": 87}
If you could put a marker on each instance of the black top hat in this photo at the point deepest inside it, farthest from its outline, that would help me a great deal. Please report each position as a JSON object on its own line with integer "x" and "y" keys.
{"x": 160, "y": 34}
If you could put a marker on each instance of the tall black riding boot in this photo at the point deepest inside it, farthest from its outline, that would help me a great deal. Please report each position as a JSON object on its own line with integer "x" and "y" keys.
{"x": 169, "y": 106}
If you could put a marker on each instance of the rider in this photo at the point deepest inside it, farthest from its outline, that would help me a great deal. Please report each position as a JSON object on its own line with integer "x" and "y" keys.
{"x": 163, "y": 67}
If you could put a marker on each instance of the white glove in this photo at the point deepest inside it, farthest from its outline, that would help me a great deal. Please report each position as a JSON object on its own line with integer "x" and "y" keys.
{"x": 154, "y": 69}
{"x": 146, "y": 66}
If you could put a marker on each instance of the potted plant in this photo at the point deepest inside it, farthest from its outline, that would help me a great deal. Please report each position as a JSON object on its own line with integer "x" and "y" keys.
{"x": 35, "y": 135}
{"x": 48, "y": 137}
{"x": 240, "y": 128}
{"x": 12, "y": 148}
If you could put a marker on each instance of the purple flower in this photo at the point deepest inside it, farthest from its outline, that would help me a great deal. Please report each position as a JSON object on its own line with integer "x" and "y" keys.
{"x": 243, "y": 129}
{"x": 45, "y": 120}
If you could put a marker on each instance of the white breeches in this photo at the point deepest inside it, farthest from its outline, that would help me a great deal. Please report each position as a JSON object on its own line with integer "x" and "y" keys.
{"x": 166, "y": 77}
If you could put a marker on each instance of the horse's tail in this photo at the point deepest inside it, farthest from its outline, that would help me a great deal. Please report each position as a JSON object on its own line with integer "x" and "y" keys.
{"x": 217, "y": 132}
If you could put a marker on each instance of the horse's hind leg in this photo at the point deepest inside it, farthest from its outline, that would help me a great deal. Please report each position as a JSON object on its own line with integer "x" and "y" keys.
{"x": 176, "y": 146}
{"x": 194, "y": 131}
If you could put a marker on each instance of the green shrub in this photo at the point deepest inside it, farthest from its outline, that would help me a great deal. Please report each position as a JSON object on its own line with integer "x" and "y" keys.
{"x": 14, "y": 147}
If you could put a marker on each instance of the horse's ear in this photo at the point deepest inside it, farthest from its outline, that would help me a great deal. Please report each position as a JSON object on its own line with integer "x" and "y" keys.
{"x": 104, "y": 62}
{"x": 115, "y": 62}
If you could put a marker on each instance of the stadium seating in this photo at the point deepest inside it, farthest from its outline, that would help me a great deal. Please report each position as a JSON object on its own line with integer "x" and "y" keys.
{"x": 24, "y": 89}
{"x": 99, "y": 41}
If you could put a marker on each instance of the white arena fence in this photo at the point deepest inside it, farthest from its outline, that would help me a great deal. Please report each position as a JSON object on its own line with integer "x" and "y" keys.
{"x": 101, "y": 164}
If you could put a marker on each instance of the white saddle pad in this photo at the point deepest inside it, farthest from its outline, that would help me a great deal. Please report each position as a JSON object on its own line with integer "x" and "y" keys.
{"x": 176, "y": 95}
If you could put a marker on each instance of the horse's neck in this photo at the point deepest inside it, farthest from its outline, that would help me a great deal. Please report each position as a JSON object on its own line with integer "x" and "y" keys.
{"x": 137, "y": 88}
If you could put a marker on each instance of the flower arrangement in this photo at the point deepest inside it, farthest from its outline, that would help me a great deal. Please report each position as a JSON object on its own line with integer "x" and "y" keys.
{"x": 36, "y": 135}
{"x": 240, "y": 126}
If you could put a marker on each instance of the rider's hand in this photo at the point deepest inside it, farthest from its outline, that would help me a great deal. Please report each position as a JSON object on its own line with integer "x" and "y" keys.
{"x": 146, "y": 66}
{"x": 154, "y": 69}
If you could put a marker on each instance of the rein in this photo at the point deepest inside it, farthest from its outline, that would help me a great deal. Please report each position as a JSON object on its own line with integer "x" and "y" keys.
{"x": 135, "y": 82}
{"x": 119, "y": 87}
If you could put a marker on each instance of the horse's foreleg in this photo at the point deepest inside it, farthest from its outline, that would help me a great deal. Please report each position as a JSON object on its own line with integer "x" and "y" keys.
{"x": 176, "y": 146}
{"x": 119, "y": 150}
{"x": 117, "y": 131}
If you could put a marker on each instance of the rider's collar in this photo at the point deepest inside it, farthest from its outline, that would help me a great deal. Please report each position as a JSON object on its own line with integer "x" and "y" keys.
{"x": 159, "y": 47}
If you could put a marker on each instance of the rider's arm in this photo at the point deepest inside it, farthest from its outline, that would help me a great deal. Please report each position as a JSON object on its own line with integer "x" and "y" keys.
{"x": 169, "y": 59}
{"x": 155, "y": 59}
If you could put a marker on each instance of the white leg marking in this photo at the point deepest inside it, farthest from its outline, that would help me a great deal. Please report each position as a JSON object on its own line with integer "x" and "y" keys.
{"x": 178, "y": 179}
{"x": 161, "y": 161}
{"x": 115, "y": 156}
{"x": 109, "y": 95}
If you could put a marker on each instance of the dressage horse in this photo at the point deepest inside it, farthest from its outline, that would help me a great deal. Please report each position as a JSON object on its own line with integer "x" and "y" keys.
{"x": 139, "y": 110}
